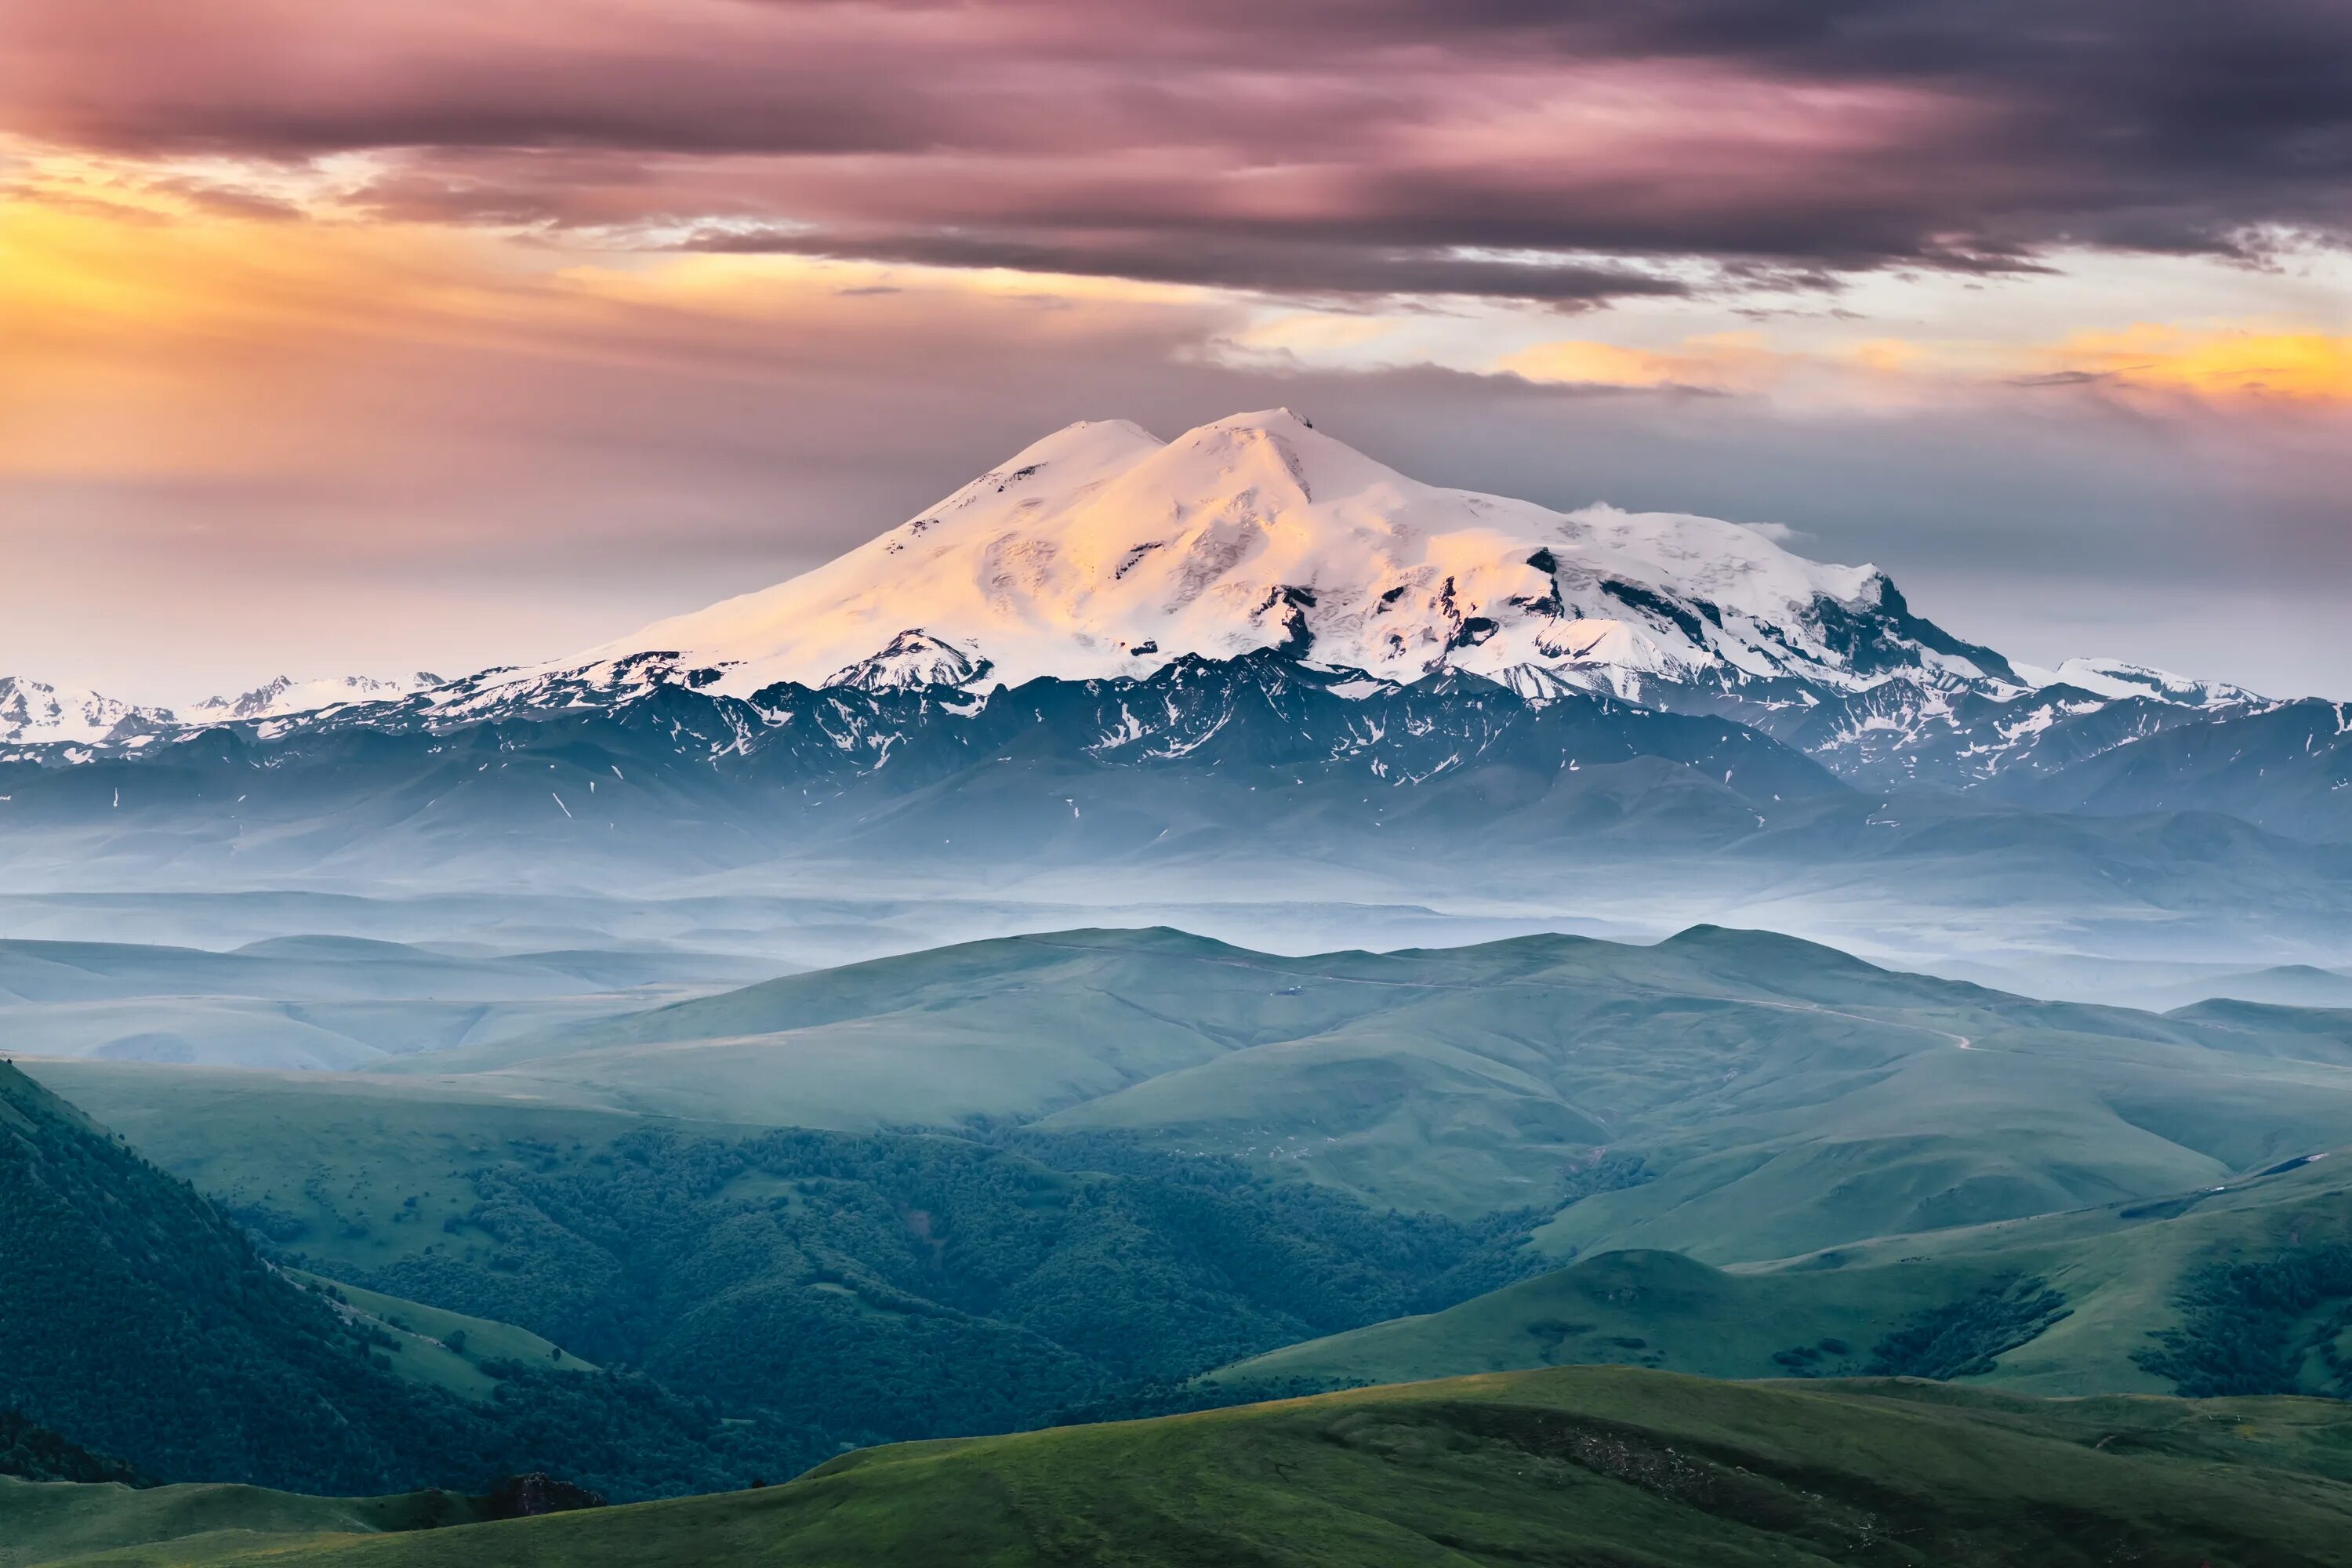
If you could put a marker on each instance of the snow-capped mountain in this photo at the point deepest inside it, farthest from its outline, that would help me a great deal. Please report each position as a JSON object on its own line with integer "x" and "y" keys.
{"x": 1102, "y": 552}
{"x": 1961, "y": 733}
{"x": 35, "y": 713}
{"x": 2113, "y": 679}
{"x": 284, "y": 695}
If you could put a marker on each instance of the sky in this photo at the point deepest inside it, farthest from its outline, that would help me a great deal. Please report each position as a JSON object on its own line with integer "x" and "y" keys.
{"x": 343, "y": 337}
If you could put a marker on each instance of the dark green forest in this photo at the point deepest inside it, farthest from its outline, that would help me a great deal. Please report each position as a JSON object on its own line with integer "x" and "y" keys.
{"x": 2274, "y": 1324}
{"x": 32, "y": 1453}
{"x": 891, "y": 1286}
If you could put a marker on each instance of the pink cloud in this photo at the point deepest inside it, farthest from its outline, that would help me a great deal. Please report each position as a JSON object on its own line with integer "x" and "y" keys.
{"x": 1264, "y": 146}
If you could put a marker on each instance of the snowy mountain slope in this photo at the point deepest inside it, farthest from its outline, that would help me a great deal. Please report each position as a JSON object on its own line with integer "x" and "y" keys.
{"x": 1961, "y": 734}
{"x": 2286, "y": 766}
{"x": 284, "y": 695}
{"x": 1239, "y": 779}
{"x": 34, "y": 713}
{"x": 2115, "y": 679}
{"x": 1250, "y": 763}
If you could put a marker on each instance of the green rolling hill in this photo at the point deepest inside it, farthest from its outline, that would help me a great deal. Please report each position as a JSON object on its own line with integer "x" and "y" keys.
{"x": 43, "y": 1523}
{"x": 2243, "y": 1289}
{"x": 1588, "y": 1465}
{"x": 1773, "y": 1095}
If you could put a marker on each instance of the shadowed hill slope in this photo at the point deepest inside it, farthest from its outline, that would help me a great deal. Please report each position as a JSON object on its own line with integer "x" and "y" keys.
{"x": 2240, "y": 1288}
{"x": 135, "y": 1318}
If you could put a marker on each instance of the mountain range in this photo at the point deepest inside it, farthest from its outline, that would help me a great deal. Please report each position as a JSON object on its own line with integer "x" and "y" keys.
{"x": 1102, "y": 556}
{"x": 1735, "y": 1096}
{"x": 1255, "y": 662}
{"x": 35, "y": 713}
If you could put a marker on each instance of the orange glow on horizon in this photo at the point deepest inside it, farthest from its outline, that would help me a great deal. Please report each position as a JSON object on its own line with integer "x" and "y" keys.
{"x": 1727, "y": 362}
{"x": 2242, "y": 365}
{"x": 2233, "y": 363}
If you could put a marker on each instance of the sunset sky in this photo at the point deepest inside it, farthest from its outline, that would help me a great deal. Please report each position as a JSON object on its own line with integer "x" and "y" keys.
{"x": 367, "y": 337}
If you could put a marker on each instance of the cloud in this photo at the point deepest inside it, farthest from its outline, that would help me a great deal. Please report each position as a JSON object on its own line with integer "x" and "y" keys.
{"x": 2236, "y": 365}
{"x": 1494, "y": 148}
{"x": 2251, "y": 365}
{"x": 1729, "y": 361}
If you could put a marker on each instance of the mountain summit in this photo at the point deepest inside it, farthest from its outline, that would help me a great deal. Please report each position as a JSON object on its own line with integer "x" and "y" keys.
{"x": 1102, "y": 552}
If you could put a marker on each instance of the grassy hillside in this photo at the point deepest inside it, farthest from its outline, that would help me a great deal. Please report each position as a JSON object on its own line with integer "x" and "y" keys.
{"x": 2312, "y": 1033}
{"x": 442, "y": 1349}
{"x": 1611, "y": 1466}
{"x": 2246, "y": 1288}
{"x": 58, "y": 1523}
{"x": 1729, "y": 1096}
{"x": 2283, "y": 984}
{"x": 1644, "y": 1309}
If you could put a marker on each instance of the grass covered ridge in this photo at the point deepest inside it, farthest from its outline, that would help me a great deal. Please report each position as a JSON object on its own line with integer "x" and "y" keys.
{"x": 1589, "y": 1465}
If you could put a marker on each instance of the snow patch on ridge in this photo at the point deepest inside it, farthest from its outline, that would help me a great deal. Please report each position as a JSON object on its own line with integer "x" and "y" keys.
{"x": 2114, "y": 680}
{"x": 34, "y": 712}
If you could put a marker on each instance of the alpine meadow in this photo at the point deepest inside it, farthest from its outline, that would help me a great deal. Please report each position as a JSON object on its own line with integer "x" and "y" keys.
{"x": 1685, "y": 903}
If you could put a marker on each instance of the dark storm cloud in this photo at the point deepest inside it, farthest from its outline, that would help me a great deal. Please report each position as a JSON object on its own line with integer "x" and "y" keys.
{"x": 1318, "y": 147}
